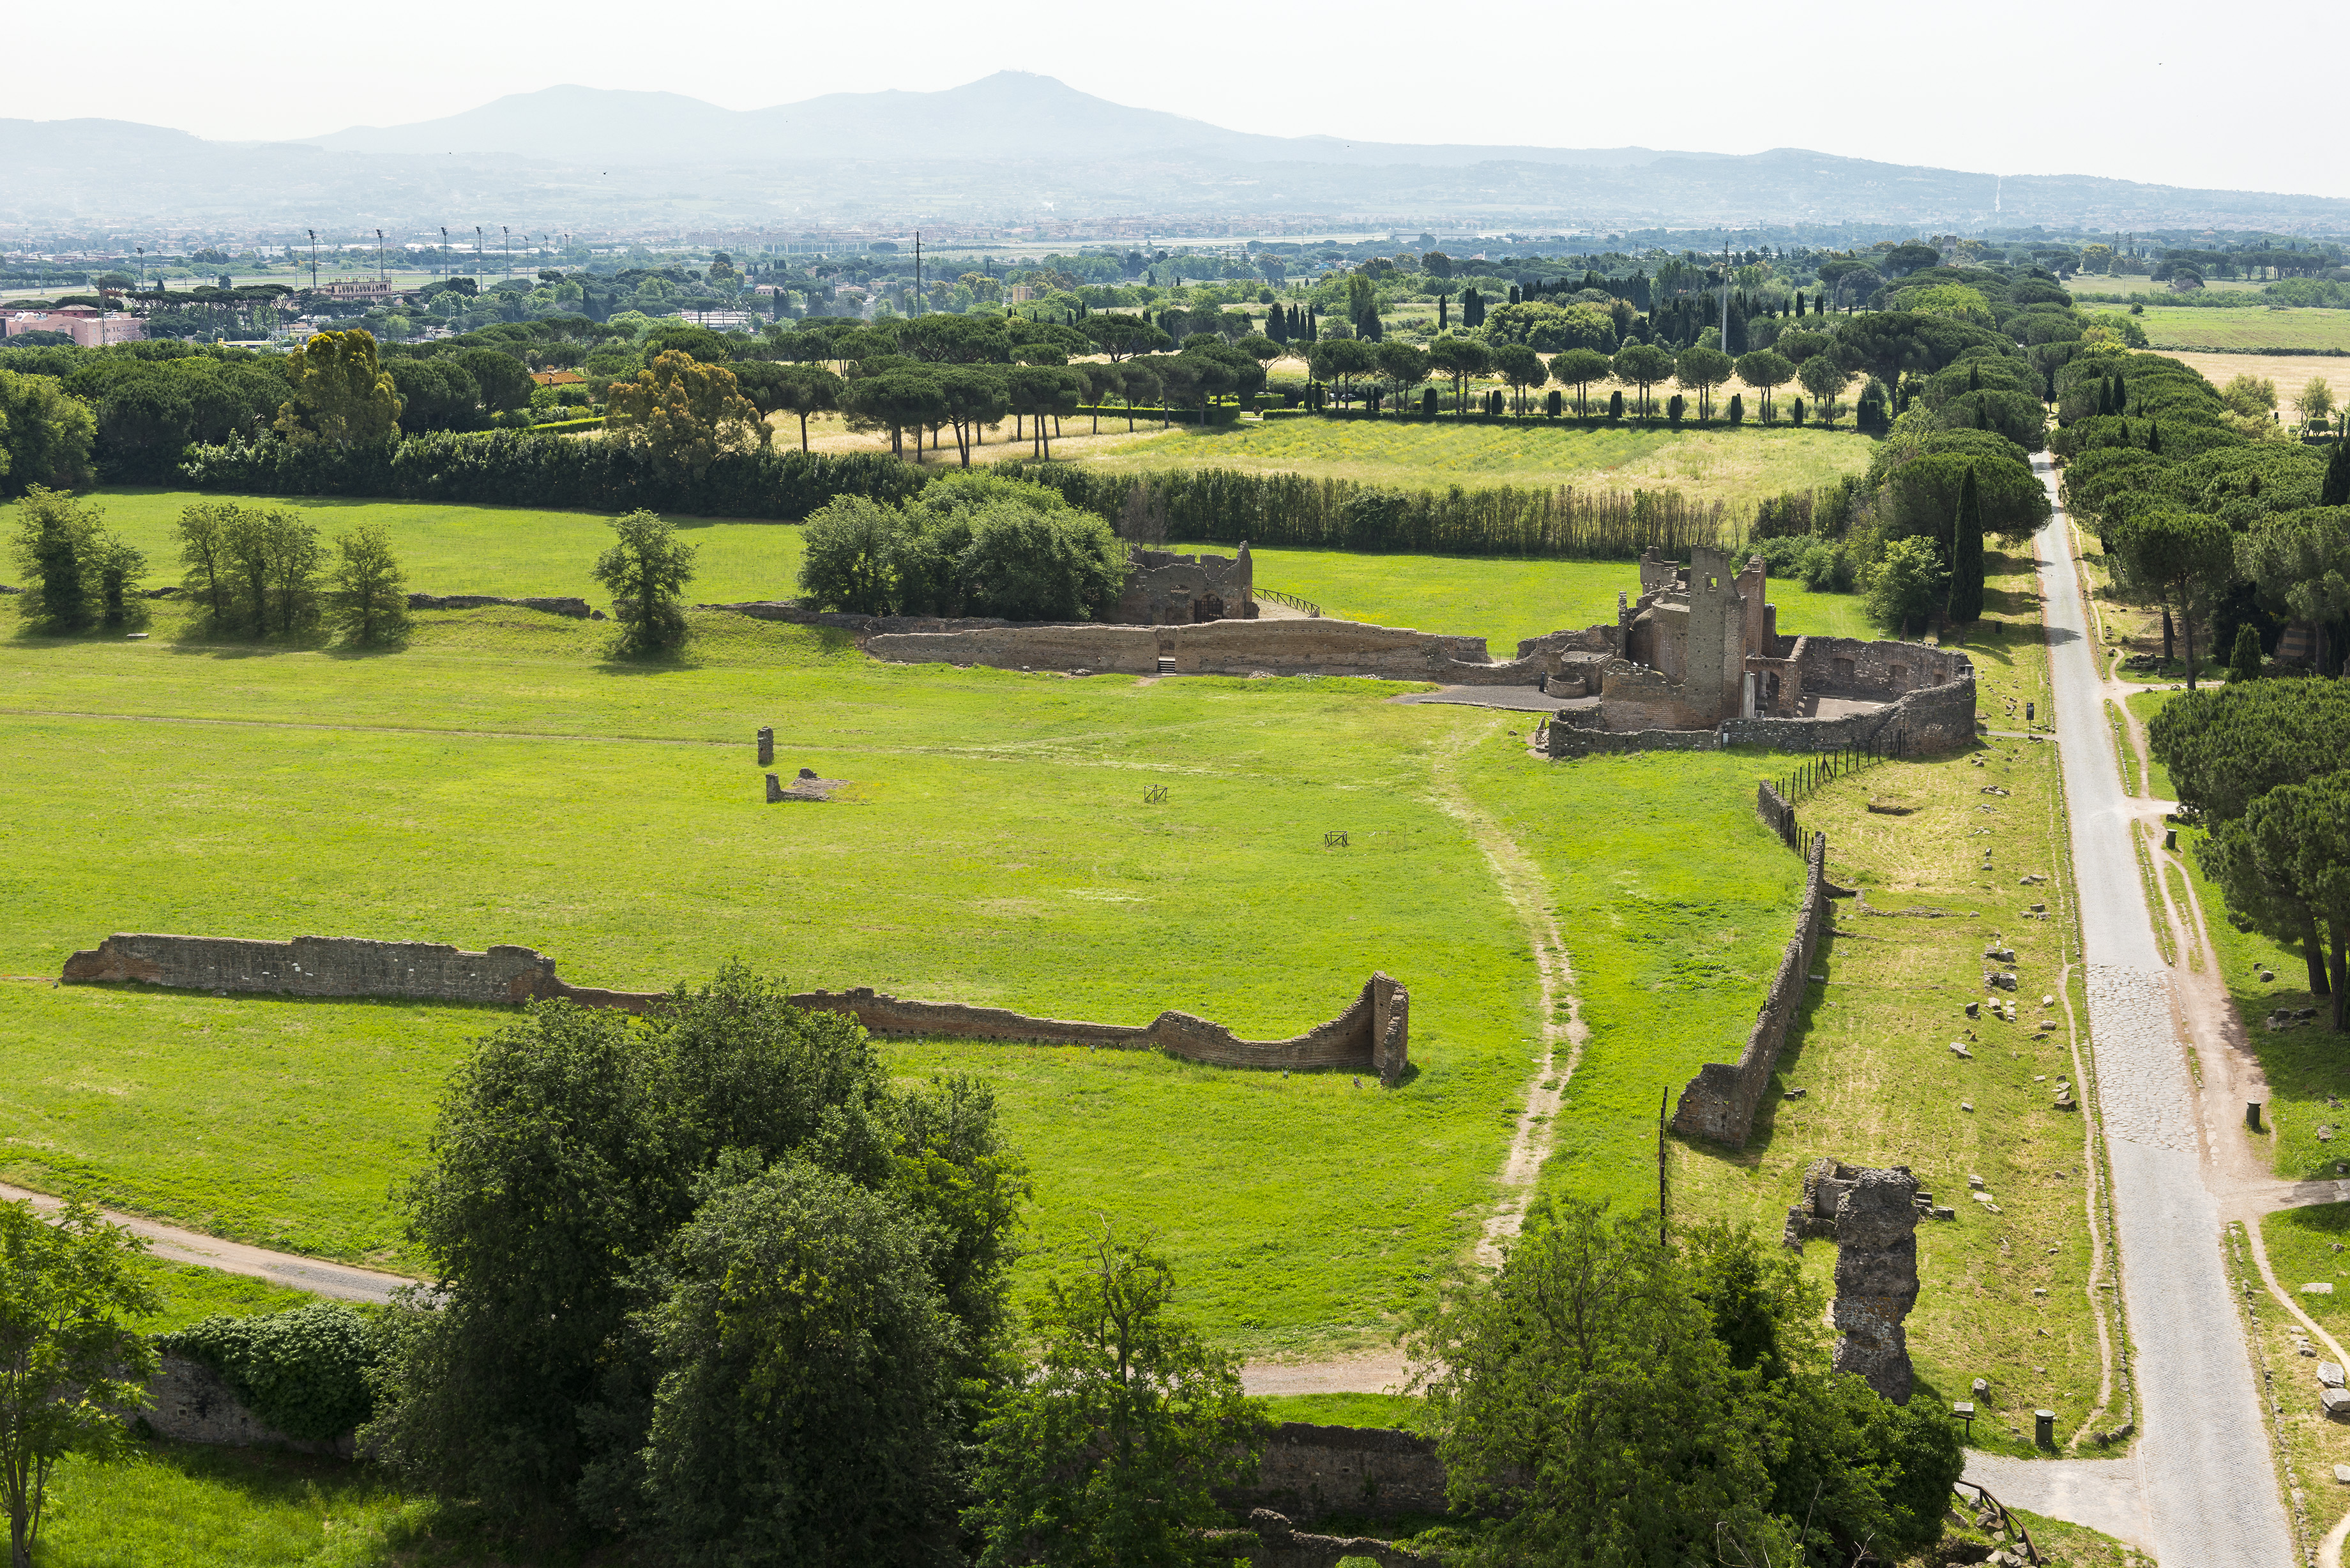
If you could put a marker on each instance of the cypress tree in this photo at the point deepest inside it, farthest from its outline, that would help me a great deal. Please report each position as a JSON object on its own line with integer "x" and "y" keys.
{"x": 2154, "y": 437}
{"x": 1974, "y": 377}
{"x": 1444, "y": 305}
{"x": 2337, "y": 491}
{"x": 1967, "y": 555}
{"x": 2245, "y": 659}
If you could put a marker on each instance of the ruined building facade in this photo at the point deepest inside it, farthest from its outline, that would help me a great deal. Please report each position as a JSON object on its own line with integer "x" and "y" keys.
{"x": 1163, "y": 588}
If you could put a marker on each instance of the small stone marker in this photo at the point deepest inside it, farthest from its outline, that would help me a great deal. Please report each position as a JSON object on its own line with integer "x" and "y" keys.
{"x": 2341, "y": 1474}
{"x": 1982, "y": 1389}
{"x": 1975, "y": 1182}
{"x": 766, "y": 746}
{"x": 774, "y": 789}
{"x": 2317, "y": 1288}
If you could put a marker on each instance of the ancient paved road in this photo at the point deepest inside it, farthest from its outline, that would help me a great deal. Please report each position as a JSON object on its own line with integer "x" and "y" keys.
{"x": 2201, "y": 1489}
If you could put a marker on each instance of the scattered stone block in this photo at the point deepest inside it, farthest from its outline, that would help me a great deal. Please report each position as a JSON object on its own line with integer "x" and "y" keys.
{"x": 2000, "y": 955}
{"x": 2330, "y": 1374}
{"x": 1966, "y": 1106}
{"x": 2334, "y": 1402}
{"x": 2317, "y": 1288}
{"x": 766, "y": 746}
{"x": 2341, "y": 1474}
{"x": 2267, "y": 975}
{"x": 774, "y": 789}
{"x": 1975, "y": 1010}
{"x": 1975, "y": 1183}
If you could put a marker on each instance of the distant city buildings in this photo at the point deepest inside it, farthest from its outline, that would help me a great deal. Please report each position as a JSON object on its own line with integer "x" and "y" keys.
{"x": 89, "y": 326}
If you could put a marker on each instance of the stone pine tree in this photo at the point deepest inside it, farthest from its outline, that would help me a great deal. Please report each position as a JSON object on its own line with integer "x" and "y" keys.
{"x": 1966, "y": 601}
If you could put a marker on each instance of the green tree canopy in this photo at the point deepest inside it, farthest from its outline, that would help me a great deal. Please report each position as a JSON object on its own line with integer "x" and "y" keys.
{"x": 1905, "y": 583}
{"x": 341, "y": 395}
{"x": 1111, "y": 1448}
{"x": 645, "y": 570}
{"x": 1767, "y": 371}
{"x": 71, "y": 1365}
{"x": 2179, "y": 559}
{"x": 683, "y": 413}
{"x": 1643, "y": 365}
{"x": 1578, "y": 368}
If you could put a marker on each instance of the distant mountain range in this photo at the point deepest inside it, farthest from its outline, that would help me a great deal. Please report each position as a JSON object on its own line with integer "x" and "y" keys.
{"x": 1011, "y": 150}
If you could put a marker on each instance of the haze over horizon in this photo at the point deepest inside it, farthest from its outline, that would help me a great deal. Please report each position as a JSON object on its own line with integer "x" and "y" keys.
{"x": 2046, "y": 89}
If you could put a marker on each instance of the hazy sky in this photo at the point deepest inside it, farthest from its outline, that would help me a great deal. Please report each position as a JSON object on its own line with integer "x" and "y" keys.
{"x": 2152, "y": 91}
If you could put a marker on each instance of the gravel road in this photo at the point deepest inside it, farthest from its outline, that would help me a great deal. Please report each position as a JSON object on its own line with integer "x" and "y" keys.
{"x": 2204, "y": 1485}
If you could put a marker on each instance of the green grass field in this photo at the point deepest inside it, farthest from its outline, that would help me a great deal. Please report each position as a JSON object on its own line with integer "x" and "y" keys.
{"x": 501, "y": 781}
{"x": 1736, "y": 467}
{"x": 514, "y": 552}
{"x": 1503, "y": 600}
{"x": 2188, "y": 327}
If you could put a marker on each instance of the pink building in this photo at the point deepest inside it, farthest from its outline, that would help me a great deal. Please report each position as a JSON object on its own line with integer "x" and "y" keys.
{"x": 89, "y": 326}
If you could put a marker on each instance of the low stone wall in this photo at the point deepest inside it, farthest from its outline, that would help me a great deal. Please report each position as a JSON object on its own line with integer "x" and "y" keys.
{"x": 1874, "y": 671}
{"x": 191, "y": 1403}
{"x": 1372, "y": 1035}
{"x": 1778, "y": 816}
{"x": 319, "y": 966}
{"x": 1310, "y": 1472}
{"x": 1571, "y": 740}
{"x": 1718, "y": 1103}
{"x": 1924, "y": 723}
{"x": 1269, "y": 1542}
{"x": 577, "y": 609}
{"x": 1285, "y": 647}
{"x": 862, "y": 625}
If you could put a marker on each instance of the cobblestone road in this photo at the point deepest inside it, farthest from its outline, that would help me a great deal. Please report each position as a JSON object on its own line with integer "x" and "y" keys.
{"x": 2201, "y": 1479}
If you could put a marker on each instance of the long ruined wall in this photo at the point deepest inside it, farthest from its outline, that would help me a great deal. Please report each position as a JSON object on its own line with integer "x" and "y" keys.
{"x": 1926, "y": 722}
{"x": 1718, "y": 1103}
{"x": 1372, "y": 1035}
{"x": 1285, "y": 647}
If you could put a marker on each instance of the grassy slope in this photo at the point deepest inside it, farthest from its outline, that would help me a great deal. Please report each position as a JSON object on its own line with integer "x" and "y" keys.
{"x": 1733, "y": 466}
{"x": 512, "y": 551}
{"x": 232, "y": 1508}
{"x": 1000, "y": 854}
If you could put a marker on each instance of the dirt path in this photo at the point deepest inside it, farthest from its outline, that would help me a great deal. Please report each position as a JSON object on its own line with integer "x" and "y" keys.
{"x": 1528, "y": 892}
{"x": 340, "y": 1281}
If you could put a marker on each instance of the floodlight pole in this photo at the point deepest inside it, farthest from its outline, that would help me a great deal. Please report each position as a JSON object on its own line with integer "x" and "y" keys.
{"x": 477, "y": 255}
{"x": 444, "y": 253}
{"x": 314, "y": 260}
{"x": 509, "y": 234}
{"x": 381, "y": 275}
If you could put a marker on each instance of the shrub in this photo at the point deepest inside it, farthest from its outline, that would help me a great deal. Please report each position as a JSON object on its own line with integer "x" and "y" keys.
{"x": 1737, "y": 409}
{"x": 304, "y": 1372}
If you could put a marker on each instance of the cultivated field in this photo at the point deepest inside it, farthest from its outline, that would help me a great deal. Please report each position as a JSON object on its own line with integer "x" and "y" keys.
{"x": 1736, "y": 467}
{"x": 2241, "y": 329}
{"x": 2291, "y": 372}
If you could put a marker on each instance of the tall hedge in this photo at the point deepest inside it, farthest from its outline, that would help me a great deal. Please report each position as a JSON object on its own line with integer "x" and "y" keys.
{"x": 1221, "y": 506}
{"x": 561, "y": 473}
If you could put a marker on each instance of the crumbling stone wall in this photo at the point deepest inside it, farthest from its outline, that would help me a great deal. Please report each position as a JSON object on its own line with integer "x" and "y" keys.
{"x": 1164, "y": 588}
{"x": 1872, "y": 1216}
{"x": 1874, "y": 672}
{"x": 1718, "y": 1103}
{"x": 1372, "y": 1035}
{"x": 1571, "y": 740}
{"x": 1310, "y": 1472}
{"x": 1927, "y": 722}
{"x": 1633, "y": 697}
{"x": 576, "y": 608}
{"x": 1307, "y": 646}
{"x": 319, "y": 966}
{"x": 191, "y": 1403}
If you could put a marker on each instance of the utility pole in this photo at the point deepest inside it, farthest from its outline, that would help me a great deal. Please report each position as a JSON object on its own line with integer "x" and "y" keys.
{"x": 444, "y": 253}
{"x": 381, "y": 275}
{"x": 313, "y": 259}
{"x": 143, "y": 268}
{"x": 509, "y": 234}
{"x": 917, "y": 270}
{"x": 477, "y": 256}
{"x": 1725, "y": 292}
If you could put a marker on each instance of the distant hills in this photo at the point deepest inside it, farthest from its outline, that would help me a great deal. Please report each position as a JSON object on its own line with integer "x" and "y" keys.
{"x": 1009, "y": 150}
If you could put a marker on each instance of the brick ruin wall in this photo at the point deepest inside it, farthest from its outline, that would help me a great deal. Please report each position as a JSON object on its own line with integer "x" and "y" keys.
{"x": 1372, "y": 1035}
{"x": 577, "y": 609}
{"x": 188, "y": 1402}
{"x": 1718, "y": 1103}
{"x": 1310, "y": 1472}
{"x": 1308, "y": 647}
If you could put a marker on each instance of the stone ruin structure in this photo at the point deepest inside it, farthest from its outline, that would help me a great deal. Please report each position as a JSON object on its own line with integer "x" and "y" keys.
{"x": 1372, "y": 1035}
{"x": 1697, "y": 661}
{"x": 1872, "y": 1216}
{"x": 1163, "y": 588}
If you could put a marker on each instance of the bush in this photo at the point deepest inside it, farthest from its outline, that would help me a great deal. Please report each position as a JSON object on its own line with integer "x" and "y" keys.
{"x": 974, "y": 544}
{"x": 304, "y": 1372}
{"x": 1818, "y": 565}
